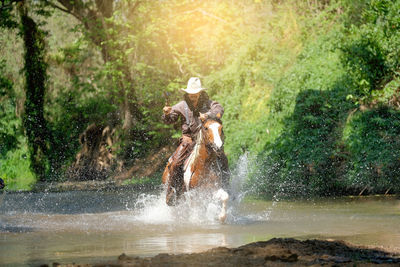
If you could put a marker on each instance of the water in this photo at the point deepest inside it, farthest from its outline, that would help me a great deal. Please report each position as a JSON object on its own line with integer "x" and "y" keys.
{"x": 93, "y": 226}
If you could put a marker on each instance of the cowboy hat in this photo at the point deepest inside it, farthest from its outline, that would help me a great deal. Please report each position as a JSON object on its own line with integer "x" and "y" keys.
{"x": 193, "y": 86}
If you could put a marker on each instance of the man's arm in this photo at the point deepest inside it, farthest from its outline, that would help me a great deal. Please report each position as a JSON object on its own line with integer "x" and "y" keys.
{"x": 216, "y": 111}
{"x": 170, "y": 114}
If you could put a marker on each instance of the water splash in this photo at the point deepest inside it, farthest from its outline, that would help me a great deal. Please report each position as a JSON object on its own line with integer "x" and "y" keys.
{"x": 198, "y": 207}
{"x": 238, "y": 179}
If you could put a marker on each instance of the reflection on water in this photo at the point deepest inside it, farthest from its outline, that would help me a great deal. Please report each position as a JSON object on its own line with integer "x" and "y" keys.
{"x": 88, "y": 226}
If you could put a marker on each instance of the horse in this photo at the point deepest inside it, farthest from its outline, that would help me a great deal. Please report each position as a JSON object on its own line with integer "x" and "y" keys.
{"x": 202, "y": 169}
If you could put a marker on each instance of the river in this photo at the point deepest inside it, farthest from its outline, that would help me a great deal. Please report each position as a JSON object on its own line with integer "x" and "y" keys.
{"x": 81, "y": 226}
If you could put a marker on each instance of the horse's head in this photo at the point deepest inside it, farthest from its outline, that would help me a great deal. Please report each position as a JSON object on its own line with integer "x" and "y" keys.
{"x": 212, "y": 131}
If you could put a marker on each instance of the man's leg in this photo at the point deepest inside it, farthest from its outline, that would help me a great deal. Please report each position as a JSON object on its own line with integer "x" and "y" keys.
{"x": 176, "y": 185}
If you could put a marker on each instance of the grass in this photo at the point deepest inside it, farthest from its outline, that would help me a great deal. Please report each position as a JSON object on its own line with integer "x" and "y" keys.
{"x": 15, "y": 170}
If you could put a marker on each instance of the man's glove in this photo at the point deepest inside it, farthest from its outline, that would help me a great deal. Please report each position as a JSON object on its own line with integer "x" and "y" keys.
{"x": 167, "y": 110}
{"x": 203, "y": 117}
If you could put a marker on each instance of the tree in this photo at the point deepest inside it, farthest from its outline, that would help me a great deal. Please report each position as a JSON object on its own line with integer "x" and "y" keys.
{"x": 96, "y": 18}
{"x": 35, "y": 87}
{"x": 35, "y": 68}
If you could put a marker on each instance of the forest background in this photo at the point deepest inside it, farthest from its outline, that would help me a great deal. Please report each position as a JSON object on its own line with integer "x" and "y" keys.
{"x": 310, "y": 89}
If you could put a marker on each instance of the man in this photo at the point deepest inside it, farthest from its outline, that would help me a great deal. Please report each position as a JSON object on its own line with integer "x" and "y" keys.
{"x": 192, "y": 111}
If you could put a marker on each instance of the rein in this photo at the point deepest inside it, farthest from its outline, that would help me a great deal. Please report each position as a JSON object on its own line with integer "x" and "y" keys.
{"x": 210, "y": 147}
{"x": 211, "y": 150}
{"x": 200, "y": 137}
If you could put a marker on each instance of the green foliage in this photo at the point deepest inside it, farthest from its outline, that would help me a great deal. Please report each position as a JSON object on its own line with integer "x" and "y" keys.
{"x": 14, "y": 156}
{"x": 74, "y": 101}
{"x": 15, "y": 168}
{"x": 372, "y": 139}
{"x": 7, "y": 17}
{"x": 306, "y": 97}
{"x": 310, "y": 88}
{"x": 8, "y": 120}
{"x": 245, "y": 84}
{"x": 371, "y": 50}
{"x": 255, "y": 87}
{"x": 310, "y": 157}
{"x": 304, "y": 158}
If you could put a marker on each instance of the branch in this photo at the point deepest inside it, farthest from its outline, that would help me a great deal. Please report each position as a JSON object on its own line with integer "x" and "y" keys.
{"x": 57, "y": 7}
{"x": 77, "y": 8}
{"x": 69, "y": 11}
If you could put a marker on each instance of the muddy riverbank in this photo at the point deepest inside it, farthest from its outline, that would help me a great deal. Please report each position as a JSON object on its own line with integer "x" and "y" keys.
{"x": 275, "y": 252}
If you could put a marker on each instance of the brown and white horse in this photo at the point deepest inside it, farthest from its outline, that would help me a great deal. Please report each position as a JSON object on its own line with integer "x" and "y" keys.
{"x": 201, "y": 169}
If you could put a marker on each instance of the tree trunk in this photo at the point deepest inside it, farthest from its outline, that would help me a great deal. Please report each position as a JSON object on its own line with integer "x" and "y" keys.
{"x": 35, "y": 74}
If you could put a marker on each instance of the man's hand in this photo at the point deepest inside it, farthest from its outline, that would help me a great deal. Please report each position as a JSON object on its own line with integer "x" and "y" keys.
{"x": 203, "y": 117}
{"x": 167, "y": 110}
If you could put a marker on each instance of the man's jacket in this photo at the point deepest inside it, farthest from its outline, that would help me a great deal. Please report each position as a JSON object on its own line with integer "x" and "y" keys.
{"x": 189, "y": 115}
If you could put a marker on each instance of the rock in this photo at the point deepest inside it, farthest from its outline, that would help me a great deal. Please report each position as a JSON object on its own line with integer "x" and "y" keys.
{"x": 123, "y": 257}
{"x": 275, "y": 252}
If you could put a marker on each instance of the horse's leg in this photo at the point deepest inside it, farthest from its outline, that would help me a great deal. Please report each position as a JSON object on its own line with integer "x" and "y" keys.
{"x": 166, "y": 179}
{"x": 169, "y": 179}
{"x": 173, "y": 174}
{"x": 224, "y": 169}
{"x": 223, "y": 196}
{"x": 179, "y": 184}
{"x": 166, "y": 175}
{"x": 175, "y": 187}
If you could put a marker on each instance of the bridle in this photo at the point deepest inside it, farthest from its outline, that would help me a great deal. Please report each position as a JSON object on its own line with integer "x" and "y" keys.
{"x": 211, "y": 147}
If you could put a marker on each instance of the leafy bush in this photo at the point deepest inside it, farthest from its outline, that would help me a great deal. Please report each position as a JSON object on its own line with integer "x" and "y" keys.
{"x": 371, "y": 50}
{"x": 8, "y": 120}
{"x": 14, "y": 156}
{"x": 310, "y": 88}
{"x": 15, "y": 168}
{"x": 299, "y": 133}
{"x": 372, "y": 139}
{"x": 310, "y": 156}
{"x": 305, "y": 157}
